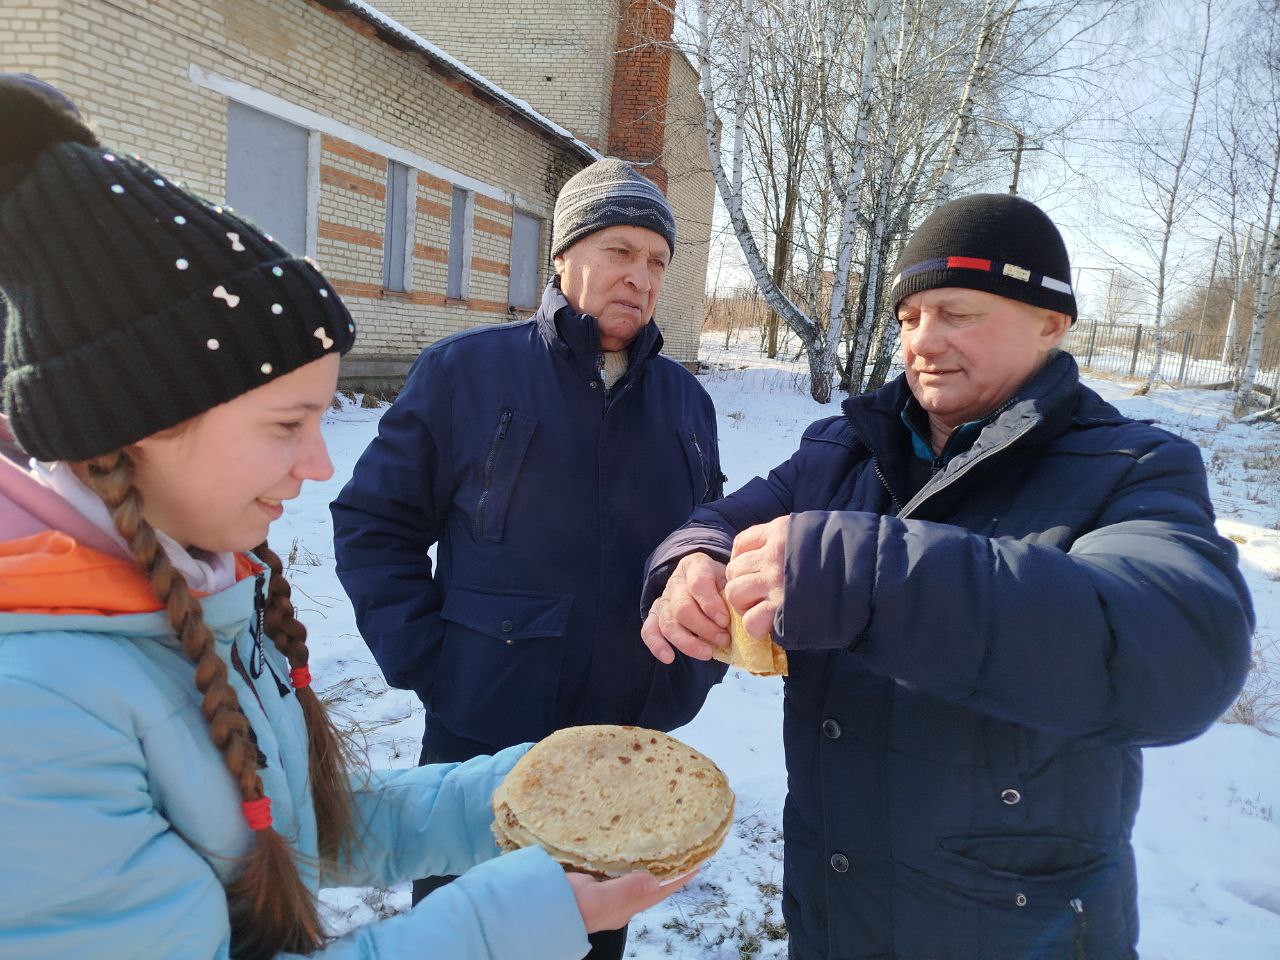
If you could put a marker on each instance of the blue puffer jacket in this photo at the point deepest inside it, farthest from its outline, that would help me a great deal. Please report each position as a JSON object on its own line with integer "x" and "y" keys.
{"x": 974, "y": 671}
{"x": 119, "y": 824}
{"x": 544, "y": 496}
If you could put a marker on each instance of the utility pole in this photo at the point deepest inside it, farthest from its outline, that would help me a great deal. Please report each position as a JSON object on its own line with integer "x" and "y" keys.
{"x": 1110, "y": 284}
{"x": 1020, "y": 141}
{"x": 1017, "y": 153}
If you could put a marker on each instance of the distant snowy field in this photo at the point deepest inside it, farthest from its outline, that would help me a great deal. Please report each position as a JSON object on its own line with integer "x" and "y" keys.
{"x": 1207, "y": 839}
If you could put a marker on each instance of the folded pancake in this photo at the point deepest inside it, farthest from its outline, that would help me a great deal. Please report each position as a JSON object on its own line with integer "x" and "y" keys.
{"x": 608, "y": 800}
{"x": 758, "y": 655}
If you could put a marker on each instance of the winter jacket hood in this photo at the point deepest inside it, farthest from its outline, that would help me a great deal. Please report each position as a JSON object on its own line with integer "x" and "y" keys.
{"x": 27, "y": 507}
{"x": 53, "y": 573}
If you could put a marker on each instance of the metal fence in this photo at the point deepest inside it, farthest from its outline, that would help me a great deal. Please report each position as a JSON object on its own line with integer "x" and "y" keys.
{"x": 1128, "y": 349}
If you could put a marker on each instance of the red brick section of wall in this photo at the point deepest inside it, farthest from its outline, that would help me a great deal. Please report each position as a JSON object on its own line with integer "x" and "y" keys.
{"x": 352, "y": 152}
{"x": 642, "y": 69}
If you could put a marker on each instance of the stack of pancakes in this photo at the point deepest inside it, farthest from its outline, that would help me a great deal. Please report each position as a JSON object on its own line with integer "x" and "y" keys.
{"x": 608, "y": 800}
{"x": 758, "y": 655}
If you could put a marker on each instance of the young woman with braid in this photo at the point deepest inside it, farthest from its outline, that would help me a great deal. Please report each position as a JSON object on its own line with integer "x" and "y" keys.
{"x": 170, "y": 785}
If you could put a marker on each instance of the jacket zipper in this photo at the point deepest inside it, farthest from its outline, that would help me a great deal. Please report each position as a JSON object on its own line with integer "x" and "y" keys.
{"x": 258, "y": 630}
{"x": 702, "y": 464}
{"x": 237, "y": 664}
{"x": 258, "y": 656}
{"x": 926, "y": 493}
{"x": 1082, "y": 925}
{"x": 875, "y": 463}
{"x": 901, "y": 511}
{"x": 503, "y": 423}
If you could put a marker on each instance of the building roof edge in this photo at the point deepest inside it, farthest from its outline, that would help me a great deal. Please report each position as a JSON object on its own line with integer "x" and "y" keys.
{"x": 385, "y": 26}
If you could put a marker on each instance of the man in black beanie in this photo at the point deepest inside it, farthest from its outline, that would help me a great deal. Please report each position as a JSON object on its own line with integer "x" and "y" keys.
{"x": 545, "y": 460}
{"x": 993, "y": 589}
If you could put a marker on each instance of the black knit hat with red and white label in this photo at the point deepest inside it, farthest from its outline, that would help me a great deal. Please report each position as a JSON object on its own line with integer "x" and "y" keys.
{"x": 134, "y": 305}
{"x": 994, "y": 242}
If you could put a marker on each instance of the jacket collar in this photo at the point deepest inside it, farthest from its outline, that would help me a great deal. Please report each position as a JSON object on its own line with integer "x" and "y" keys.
{"x": 576, "y": 336}
{"x": 57, "y": 562}
{"x": 27, "y": 507}
{"x": 51, "y": 581}
{"x": 1041, "y": 409}
{"x": 1049, "y": 396}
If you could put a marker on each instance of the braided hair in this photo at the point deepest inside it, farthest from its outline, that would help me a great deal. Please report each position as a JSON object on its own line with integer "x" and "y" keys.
{"x": 271, "y": 909}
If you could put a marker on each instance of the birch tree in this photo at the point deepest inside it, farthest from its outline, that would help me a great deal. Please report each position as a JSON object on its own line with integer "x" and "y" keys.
{"x": 1165, "y": 179}
{"x": 819, "y": 335}
{"x": 783, "y": 100}
{"x": 853, "y": 180}
{"x": 1262, "y": 48}
{"x": 899, "y": 86}
{"x": 993, "y": 21}
{"x": 1261, "y": 306}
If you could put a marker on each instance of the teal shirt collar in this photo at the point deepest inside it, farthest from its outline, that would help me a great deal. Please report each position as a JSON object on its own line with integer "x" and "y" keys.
{"x": 961, "y": 439}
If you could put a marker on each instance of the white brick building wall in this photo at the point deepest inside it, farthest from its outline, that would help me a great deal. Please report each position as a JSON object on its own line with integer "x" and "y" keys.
{"x": 155, "y": 78}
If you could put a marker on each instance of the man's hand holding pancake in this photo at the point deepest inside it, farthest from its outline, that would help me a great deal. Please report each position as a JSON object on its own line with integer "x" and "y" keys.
{"x": 691, "y": 615}
{"x": 755, "y": 577}
{"x": 712, "y": 609}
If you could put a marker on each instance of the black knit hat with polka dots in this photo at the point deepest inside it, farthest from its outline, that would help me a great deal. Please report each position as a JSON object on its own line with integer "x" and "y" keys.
{"x": 133, "y": 304}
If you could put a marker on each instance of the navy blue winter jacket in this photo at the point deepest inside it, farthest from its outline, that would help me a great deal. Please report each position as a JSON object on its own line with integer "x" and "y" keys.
{"x": 544, "y": 496}
{"x": 974, "y": 669}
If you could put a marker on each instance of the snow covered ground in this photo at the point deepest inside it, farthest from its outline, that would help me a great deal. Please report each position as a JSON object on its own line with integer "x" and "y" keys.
{"x": 1207, "y": 839}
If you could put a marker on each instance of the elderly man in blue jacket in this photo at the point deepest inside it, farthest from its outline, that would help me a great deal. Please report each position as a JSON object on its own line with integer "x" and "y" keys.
{"x": 994, "y": 590}
{"x": 545, "y": 460}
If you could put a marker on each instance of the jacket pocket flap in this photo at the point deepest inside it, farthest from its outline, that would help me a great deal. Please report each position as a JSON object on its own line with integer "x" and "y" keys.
{"x": 1026, "y": 857}
{"x": 508, "y": 616}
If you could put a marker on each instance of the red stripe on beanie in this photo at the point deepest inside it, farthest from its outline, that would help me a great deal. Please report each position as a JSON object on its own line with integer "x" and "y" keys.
{"x": 971, "y": 263}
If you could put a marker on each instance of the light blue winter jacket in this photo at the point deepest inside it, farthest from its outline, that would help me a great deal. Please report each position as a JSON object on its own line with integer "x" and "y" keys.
{"x": 119, "y": 823}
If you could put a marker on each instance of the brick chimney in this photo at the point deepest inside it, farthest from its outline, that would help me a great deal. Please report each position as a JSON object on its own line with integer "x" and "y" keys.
{"x": 638, "y": 109}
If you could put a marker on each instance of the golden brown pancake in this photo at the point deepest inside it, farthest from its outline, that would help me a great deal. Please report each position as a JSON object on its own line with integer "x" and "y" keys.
{"x": 758, "y": 655}
{"x": 608, "y": 800}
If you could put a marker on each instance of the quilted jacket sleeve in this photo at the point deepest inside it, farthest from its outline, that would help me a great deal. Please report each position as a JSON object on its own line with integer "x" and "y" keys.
{"x": 1138, "y": 634}
{"x": 387, "y": 517}
{"x": 425, "y": 821}
{"x": 516, "y": 907}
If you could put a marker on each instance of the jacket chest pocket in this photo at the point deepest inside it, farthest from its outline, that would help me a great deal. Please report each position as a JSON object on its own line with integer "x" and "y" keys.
{"x": 500, "y": 470}
{"x": 696, "y": 456}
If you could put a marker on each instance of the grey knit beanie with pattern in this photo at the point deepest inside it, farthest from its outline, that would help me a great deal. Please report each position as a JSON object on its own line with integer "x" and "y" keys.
{"x": 609, "y": 193}
{"x": 133, "y": 304}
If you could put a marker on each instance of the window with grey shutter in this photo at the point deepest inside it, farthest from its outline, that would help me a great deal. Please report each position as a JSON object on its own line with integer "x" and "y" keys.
{"x": 460, "y": 243}
{"x": 267, "y": 173}
{"x": 395, "y": 236}
{"x": 526, "y": 253}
